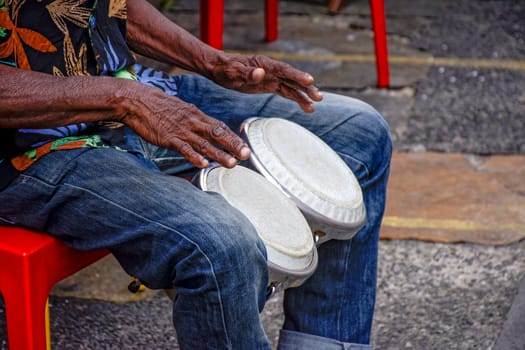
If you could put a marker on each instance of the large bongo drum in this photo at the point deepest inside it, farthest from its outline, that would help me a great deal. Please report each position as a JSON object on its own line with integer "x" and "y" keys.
{"x": 292, "y": 254}
{"x": 310, "y": 173}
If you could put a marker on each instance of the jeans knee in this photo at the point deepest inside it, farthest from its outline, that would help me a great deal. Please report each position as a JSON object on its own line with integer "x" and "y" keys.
{"x": 380, "y": 134}
{"x": 239, "y": 249}
{"x": 364, "y": 139}
{"x": 227, "y": 252}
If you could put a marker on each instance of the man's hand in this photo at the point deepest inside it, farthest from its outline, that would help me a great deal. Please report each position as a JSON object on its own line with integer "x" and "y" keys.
{"x": 38, "y": 100}
{"x": 153, "y": 35}
{"x": 168, "y": 122}
{"x": 255, "y": 74}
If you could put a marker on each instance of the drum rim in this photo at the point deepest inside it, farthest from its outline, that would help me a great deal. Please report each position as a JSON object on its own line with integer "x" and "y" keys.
{"x": 200, "y": 180}
{"x": 302, "y": 274}
{"x": 316, "y": 215}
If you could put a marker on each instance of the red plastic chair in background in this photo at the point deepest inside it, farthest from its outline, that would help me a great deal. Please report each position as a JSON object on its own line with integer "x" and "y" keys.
{"x": 212, "y": 24}
{"x": 31, "y": 264}
{"x": 377, "y": 10}
{"x": 212, "y": 21}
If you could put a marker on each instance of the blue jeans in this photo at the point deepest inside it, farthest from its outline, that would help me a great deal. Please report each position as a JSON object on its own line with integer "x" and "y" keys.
{"x": 170, "y": 234}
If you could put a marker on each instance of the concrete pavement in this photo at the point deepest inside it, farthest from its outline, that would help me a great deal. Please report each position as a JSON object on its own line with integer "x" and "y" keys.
{"x": 452, "y": 258}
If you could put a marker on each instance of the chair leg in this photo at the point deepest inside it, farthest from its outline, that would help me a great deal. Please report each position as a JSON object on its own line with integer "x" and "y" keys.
{"x": 334, "y": 6}
{"x": 48, "y": 326}
{"x": 271, "y": 19}
{"x": 26, "y": 317}
{"x": 377, "y": 10}
{"x": 212, "y": 22}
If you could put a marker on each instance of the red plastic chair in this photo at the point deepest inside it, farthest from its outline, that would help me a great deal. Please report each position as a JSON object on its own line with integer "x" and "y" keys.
{"x": 31, "y": 264}
{"x": 377, "y": 10}
{"x": 212, "y": 21}
{"x": 212, "y": 24}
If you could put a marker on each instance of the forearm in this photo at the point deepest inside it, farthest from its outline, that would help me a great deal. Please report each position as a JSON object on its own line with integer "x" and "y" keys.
{"x": 37, "y": 100}
{"x": 152, "y": 34}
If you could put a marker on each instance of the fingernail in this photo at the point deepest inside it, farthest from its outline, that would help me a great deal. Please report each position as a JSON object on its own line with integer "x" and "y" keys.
{"x": 245, "y": 153}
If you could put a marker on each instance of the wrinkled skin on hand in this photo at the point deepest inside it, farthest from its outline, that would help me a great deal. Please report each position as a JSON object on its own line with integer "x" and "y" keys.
{"x": 159, "y": 118}
{"x": 183, "y": 127}
{"x": 169, "y": 122}
{"x": 257, "y": 74}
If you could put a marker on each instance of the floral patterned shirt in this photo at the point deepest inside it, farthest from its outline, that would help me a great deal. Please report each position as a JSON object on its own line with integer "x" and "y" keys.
{"x": 63, "y": 38}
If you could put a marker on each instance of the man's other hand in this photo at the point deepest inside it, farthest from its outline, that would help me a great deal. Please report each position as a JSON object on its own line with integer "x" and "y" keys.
{"x": 255, "y": 74}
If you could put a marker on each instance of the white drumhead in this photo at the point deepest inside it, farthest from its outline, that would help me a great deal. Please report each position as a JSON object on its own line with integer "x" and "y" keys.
{"x": 278, "y": 221}
{"x": 306, "y": 169}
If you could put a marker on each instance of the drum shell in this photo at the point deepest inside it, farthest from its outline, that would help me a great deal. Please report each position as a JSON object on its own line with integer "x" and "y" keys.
{"x": 325, "y": 231}
{"x": 279, "y": 274}
{"x": 326, "y": 228}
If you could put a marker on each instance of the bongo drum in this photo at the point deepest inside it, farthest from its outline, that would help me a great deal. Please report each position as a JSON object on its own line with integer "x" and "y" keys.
{"x": 310, "y": 173}
{"x": 292, "y": 254}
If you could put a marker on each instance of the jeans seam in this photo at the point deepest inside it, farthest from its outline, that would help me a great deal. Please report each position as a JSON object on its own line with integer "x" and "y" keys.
{"x": 347, "y": 258}
{"x": 5, "y": 221}
{"x": 156, "y": 223}
{"x": 145, "y": 150}
{"x": 175, "y": 231}
{"x": 363, "y": 164}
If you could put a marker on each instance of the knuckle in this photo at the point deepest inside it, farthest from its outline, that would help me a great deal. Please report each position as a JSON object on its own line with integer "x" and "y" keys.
{"x": 236, "y": 143}
{"x": 259, "y": 59}
{"x": 219, "y": 154}
{"x": 186, "y": 148}
{"x": 218, "y": 129}
{"x": 204, "y": 144}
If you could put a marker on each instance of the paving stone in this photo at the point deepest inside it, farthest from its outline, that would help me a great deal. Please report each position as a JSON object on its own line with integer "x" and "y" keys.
{"x": 443, "y": 197}
{"x": 511, "y": 336}
{"x": 435, "y": 296}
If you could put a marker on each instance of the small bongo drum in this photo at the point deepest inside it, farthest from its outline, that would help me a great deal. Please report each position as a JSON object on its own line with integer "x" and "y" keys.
{"x": 310, "y": 173}
{"x": 292, "y": 254}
